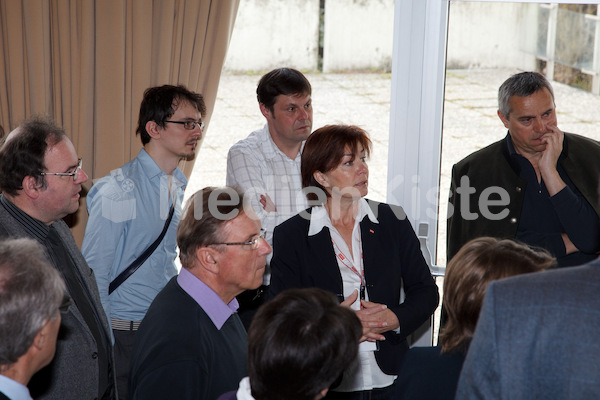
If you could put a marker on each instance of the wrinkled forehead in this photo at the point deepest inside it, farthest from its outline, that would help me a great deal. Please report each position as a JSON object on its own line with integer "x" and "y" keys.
{"x": 298, "y": 99}
{"x": 60, "y": 155}
{"x": 244, "y": 225}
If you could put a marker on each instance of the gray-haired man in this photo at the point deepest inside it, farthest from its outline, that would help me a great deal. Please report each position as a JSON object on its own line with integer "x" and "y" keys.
{"x": 31, "y": 293}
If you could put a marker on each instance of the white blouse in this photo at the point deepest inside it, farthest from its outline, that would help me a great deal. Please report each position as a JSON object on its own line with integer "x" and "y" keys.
{"x": 364, "y": 373}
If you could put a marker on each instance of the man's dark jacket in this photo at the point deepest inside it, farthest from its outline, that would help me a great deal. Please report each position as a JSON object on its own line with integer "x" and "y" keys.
{"x": 493, "y": 166}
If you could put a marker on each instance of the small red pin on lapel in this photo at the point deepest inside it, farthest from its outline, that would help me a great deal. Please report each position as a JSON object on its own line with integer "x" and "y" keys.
{"x": 371, "y": 230}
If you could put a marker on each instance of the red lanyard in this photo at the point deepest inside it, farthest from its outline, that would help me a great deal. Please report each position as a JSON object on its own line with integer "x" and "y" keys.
{"x": 360, "y": 274}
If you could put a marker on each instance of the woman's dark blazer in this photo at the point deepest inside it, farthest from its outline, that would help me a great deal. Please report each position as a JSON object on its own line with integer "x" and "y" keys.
{"x": 392, "y": 258}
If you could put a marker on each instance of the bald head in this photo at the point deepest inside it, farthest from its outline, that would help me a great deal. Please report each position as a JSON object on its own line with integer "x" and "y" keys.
{"x": 14, "y": 132}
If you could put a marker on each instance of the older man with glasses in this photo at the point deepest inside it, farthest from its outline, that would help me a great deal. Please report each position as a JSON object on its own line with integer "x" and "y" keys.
{"x": 192, "y": 344}
{"x": 40, "y": 180}
{"x": 129, "y": 240}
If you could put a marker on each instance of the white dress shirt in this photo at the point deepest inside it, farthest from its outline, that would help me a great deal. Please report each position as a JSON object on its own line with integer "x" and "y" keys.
{"x": 364, "y": 373}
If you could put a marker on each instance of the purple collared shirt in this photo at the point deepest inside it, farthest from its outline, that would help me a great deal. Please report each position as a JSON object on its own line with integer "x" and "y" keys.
{"x": 211, "y": 303}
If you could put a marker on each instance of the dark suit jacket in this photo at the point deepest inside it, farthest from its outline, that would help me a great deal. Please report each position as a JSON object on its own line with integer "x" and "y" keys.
{"x": 392, "y": 259}
{"x": 3, "y": 396}
{"x": 493, "y": 166}
{"x": 428, "y": 374}
{"x": 73, "y": 373}
{"x": 537, "y": 338}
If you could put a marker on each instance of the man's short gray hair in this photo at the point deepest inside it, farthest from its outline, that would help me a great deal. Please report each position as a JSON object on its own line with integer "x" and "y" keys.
{"x": 31, "y": 291}
{"x": 522, "y": 84}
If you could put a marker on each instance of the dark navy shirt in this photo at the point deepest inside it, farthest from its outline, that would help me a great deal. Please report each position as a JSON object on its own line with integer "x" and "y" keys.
{"x": 544, "y": 218}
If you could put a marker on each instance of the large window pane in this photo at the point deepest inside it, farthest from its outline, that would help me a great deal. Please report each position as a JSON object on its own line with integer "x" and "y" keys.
{"x": 488, "y": 42}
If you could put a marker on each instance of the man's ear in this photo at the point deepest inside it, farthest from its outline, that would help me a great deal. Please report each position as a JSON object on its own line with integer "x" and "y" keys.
{"x": 503, "y": 118}
{"x": 207, "y": 258}
{"x": 40, "y": 338}
{"x": 266, "y": 112}
{"x": 153, "y": 129}
{"x": 31, "y": 187}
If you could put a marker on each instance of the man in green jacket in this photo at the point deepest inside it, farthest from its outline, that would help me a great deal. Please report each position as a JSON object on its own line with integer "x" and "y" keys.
{"x": 538, "y": 185}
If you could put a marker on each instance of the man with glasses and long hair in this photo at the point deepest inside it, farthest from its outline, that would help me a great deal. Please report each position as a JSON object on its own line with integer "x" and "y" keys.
{"x": 192, "y": 344}
{"x": 134, "y": 211}
{"x": 40, "y": 180}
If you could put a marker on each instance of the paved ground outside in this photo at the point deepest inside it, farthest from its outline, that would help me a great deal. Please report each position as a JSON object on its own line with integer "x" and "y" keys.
{"x": 470, "y": 122}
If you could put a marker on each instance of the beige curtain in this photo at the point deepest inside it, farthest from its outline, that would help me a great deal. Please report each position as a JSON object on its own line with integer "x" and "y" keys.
{"x": 88, "y": 62}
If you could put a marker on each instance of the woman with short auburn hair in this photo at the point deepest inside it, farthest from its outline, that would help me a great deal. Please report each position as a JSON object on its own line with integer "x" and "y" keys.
{"x": 362, "y": 251}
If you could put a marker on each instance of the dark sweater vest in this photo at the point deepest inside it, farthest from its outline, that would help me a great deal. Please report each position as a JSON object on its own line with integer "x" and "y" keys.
{"x": 180, "y": 354}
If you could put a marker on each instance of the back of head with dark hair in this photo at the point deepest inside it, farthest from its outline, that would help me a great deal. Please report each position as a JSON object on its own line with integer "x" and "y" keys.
{"x": 324, "y": 150}
{"x": 522, "y": 84}
{"x": 31, "y": 290}
{"x": 299, "y": 343}
{"x": 23, "y": 152}
{"x": 469, "y": 273}
{"x": 285, "y": 81}
{"x": 203, "y": 218}
{"x": 161, "y": 102}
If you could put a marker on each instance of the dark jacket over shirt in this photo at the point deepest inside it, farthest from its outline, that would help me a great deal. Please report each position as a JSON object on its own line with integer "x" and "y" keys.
{"x": 74, "y": 371}
{"x": 493, "y": 166}
{"x": 392, "y": 259}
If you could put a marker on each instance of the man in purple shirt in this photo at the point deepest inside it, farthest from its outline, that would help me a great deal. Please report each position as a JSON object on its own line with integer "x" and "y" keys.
{"x": 191, "y": 343}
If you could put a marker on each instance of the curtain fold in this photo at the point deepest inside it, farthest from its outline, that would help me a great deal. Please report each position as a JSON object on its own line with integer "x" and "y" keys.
{"x": 87, "y": 64}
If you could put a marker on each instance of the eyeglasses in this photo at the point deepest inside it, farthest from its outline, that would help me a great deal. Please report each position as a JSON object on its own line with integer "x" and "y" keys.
{"x": 74, "y": 174}
{"x": 189, "y": 125}
{"x": 252, "y": 243}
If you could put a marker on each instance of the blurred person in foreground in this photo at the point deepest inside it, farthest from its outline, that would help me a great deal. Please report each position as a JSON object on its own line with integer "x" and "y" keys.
{"x": 191, "y": 343}
{"x": 432, "y": 372}
{"x": 297, "y": 345}
{"x": 31, "y": 294}
{"x": 362, "y": 251}
{"x": 537, "y": 338}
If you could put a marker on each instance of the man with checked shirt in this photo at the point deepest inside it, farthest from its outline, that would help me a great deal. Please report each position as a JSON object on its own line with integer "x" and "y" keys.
{"x": 266, "y": 164}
